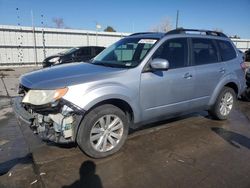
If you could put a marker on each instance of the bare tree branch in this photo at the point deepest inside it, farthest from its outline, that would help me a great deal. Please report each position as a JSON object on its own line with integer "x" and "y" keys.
{"x": 218, "y": 30}
{"x": 59, "y": 22}
{"x": 164, "y": 26}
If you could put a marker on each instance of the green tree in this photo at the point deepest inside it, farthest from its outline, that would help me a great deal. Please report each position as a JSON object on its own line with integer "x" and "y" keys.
{"x": 109, "y": 29}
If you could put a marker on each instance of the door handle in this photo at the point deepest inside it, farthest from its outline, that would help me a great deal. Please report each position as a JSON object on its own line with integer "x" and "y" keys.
{"x": 222, "y": 70}
{"x": 188, "y": 76}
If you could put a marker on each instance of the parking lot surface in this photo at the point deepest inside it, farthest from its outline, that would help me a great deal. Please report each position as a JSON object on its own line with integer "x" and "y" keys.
{"x": 190, "y": 151}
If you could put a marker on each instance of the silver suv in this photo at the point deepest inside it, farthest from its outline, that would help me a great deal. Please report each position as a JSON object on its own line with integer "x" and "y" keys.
{"x": 142, "y": 78}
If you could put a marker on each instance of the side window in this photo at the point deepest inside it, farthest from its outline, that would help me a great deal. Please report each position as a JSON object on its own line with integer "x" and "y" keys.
{"x": 98, "y": 50}
{"x": 84, "y": 52}
{"x": 227, "y": 51}
{"x": 175, "y": 51}
{"x": 204, "y": 51}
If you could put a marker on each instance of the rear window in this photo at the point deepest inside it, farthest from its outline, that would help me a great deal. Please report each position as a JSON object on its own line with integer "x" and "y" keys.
{"x": 204, "y": 51}
{"x": 227, "y": 51}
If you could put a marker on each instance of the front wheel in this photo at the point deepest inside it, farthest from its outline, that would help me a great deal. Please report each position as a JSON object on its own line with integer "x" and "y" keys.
{"x": 224, "y": 104}
{"x": 103, "y": 131}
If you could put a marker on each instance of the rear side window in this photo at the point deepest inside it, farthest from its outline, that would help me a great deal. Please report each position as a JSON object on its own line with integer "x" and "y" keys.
{"x": 84, "y": 51}
{"x": 204, "y": 51}
{"x": 175, "y": 51}
{"x": 98, "y": 50}
{"x": 227, "y": 51}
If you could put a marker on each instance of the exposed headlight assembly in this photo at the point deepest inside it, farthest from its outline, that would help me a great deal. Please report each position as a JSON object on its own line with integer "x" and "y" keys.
{"x": 41, "y": 97}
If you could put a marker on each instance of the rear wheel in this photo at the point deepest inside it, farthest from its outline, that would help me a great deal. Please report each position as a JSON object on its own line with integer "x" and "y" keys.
{"x": 224, "y": 104}
{"x": 103, "y": 131}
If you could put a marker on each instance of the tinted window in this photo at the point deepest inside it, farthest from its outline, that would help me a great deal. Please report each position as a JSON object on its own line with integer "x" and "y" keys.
{"x": 175, "y": 51}
{"x": 227, "y": 51}
{"x": 98, "y": 50}
{"x": 84, "y": 51}
{"x": 204, "y": 51}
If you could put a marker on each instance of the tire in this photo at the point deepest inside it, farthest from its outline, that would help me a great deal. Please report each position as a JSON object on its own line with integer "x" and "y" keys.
{"x": 94, "y": 130}
{"x": 216, "y": 110}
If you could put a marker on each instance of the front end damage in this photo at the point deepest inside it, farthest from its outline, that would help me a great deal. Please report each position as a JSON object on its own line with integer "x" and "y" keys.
{"x": 57, "y": 121}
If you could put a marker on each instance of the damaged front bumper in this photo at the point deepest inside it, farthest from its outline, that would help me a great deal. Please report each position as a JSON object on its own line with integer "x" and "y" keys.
{"x": 57, "y": 122}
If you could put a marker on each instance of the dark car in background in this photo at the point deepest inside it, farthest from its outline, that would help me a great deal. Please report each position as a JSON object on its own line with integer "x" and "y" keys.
{"x": 247, "y": 55}
{"x": 247, "y": 92}
{"x": 77, "y": 54}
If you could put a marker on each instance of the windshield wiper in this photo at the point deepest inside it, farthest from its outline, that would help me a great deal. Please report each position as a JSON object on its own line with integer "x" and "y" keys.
{"x": 104, "y": 64}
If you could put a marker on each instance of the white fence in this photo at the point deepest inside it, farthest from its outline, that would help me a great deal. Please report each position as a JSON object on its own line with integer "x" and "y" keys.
{"x": 23, "y": 45}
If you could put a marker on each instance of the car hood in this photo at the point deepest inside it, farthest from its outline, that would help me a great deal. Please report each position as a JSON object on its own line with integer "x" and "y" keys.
{"x": 67, "y": 75}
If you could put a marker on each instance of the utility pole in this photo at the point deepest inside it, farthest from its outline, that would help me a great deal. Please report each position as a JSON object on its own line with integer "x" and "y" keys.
{"x": 97, "y": 26}
{"x": 177, "y": 19}
{"x": 34, "y": 37}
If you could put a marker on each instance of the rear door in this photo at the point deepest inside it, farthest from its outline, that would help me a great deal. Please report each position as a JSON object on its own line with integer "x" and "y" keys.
{"x": 209, "y": 69}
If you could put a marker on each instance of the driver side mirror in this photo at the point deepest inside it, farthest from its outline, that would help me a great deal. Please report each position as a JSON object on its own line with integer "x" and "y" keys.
{"x": 159, "y": 64}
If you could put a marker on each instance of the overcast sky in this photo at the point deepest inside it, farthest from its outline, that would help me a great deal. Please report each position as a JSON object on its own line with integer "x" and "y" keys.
{"x": 233, "y": 17}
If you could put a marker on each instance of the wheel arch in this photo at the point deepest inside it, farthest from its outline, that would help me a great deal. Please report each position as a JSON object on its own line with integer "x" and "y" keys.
{"x": 120, "y": 103}
{"x": 230, "y": 83}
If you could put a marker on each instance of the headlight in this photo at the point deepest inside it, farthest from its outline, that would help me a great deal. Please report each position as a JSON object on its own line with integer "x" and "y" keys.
{"x": 41, "y": 97}
{"x": 55, "y": 59}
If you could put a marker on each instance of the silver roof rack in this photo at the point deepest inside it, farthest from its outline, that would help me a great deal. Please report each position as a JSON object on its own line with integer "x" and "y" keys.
{"x": 199, "y": 31}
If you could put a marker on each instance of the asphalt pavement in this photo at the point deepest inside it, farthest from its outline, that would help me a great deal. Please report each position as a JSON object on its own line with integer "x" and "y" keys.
{"x": 190, "y": 151}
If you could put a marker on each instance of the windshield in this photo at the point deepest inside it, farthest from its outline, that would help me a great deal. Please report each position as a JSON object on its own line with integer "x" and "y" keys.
{"x": 69, "y": 51}
{"x": 127, "y": 52}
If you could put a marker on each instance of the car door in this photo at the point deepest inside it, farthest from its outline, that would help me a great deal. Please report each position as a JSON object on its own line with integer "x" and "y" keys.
{"x": 166, "y": 93}
{"x": 209, "y": 70}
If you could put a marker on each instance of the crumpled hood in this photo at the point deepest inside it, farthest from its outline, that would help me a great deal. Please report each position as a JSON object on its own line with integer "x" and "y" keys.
{"x": 67, "y": 75}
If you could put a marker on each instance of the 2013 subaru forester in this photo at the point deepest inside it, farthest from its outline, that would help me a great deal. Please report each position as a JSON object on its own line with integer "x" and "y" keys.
{"x": 141, "y": 78}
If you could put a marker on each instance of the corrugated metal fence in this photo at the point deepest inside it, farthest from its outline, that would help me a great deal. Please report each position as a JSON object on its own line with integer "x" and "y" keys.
{"x": 25, "y": 45}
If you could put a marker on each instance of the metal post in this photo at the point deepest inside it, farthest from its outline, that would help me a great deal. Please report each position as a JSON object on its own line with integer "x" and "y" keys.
{"x": 97, "y": 26}
{"x": 96, "y": 37}
{"x": 34, "y": 38}
{"x": 44, "y": 52}
{"x": 177, "y": 19}
{"x": 87, "y": 38}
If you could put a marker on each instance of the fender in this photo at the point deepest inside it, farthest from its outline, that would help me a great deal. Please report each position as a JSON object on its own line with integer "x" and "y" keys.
{"x": 89, "y": 97}
{"x": 229, "y": 78}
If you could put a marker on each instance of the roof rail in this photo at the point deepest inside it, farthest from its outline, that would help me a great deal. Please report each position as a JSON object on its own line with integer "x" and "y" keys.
{"x": 142, "y": 33}
{"x": 207, "y": 32}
